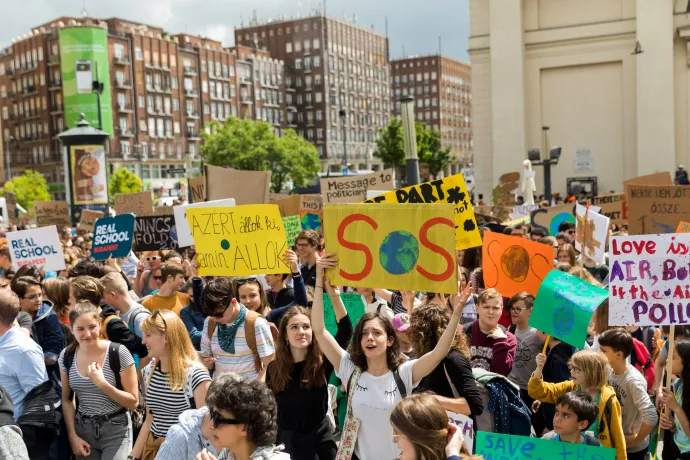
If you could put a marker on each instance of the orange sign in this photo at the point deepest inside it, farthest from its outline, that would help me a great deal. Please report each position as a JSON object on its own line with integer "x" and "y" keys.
{"x": 683, "y": 227}
{"x": 513, "y": 264}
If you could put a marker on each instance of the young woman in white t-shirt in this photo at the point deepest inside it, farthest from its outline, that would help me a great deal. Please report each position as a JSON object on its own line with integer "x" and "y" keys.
{"x": 375, "y": 350}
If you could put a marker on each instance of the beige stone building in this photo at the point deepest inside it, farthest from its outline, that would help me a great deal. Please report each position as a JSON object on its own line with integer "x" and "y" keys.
{"x": 571, "y": 65}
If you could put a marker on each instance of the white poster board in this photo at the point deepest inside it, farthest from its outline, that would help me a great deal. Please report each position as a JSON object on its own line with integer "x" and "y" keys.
{"x": 39, "y": 246}
{"x": 184, "y": 232}
{"x": 595, "y": 232}
{"x": 465, "y": 425}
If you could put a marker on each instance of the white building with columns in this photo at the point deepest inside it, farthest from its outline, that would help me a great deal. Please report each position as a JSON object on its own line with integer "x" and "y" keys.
{"x": 570, "y": 65}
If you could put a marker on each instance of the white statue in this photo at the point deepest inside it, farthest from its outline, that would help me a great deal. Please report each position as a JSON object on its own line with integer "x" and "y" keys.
{"x": 528, "y": 187}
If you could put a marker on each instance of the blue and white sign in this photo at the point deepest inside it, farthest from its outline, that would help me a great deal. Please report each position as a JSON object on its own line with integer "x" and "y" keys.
{"x": 40, "y": 247}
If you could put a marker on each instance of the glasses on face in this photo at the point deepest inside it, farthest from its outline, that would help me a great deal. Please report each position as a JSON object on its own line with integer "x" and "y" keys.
{"x": 518, "y": 309}
{"x": 218, "y": 419}
{"x": 303, "y": 245}
{"x": 570, "y": 232}
{"x": 160, "y": 313}
{"x": 158, "y": 278}
{"x": 33, "y": 297}
{"x": 221, "y": 314}
{"x": 397, "y": 437}
{"x": 574, "y": 369}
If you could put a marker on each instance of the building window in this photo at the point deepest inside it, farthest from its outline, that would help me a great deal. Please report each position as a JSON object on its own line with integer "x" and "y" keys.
{"x": 119, "y": 50}
{"x": 139, "y": 55}
{"x": 298, "y": 46}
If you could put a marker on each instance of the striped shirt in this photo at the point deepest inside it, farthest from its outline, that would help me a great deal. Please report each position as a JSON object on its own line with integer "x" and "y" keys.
{"x": 92, "y": 400}
{"x": 242, "y": 361}
{"x": 165, "y": 404}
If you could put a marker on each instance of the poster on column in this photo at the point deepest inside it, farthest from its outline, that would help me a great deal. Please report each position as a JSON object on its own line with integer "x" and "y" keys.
{"x": 648, "y": 280}
{"x": 152, "y": 233}
{"x": 88, "y": 169}
{"x": 38, "y": 246}
{"x": 447, "y": 190}
{"x": 592, "y": 234}
{"x": 656, "y": 209}
{"x": 184, "y": 233}
{"x": 496, "y": 446}
{"x": 239, "y": 240}
{"x": 311, "y": 212}
{"x": 353, "y": 189}
{"x": 393, "y": 246}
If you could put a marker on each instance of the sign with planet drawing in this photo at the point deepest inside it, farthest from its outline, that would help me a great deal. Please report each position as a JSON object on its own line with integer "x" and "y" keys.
{"x": 393, "y": 246}
{"x": 512, "y": 264}
{"x": 310, "y": 213}
{"x": 564, "y": 305}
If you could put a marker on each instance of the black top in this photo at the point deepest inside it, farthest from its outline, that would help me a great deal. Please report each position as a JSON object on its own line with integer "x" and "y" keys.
{"x": 118, "y": 332}
{"x": 556, "y": 371}
{"x": 309, "y": 274}
{"x": 460, "y": 373}
{"x": 281, "y": 298}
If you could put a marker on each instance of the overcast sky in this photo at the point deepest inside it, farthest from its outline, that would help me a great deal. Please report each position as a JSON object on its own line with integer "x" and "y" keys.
{"x": 414, "y": 24}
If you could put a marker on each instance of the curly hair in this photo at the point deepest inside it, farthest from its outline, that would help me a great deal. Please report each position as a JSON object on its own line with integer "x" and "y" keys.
{"x": 394, "y": 355}
{"x": 87, "y": 267}
{"x": 217, "y": 295}
{"x": 427, "y": 325}
{"x": 250, "y": 402}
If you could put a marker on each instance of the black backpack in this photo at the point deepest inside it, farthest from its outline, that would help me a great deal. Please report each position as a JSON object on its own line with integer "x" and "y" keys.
{"x": 113, "y": 361}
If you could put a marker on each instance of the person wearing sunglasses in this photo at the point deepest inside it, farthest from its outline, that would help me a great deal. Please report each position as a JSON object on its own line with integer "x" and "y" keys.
{"x": 243, "y": 420}
{"x": 144, "y": 283}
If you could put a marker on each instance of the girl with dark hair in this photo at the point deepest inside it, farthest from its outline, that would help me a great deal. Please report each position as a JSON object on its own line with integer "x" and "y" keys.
{"x": 299, "y": 379}
{"x": 375, "y": 372}
{"x": 678, "y": 400}
{"x": 250, "y": 293}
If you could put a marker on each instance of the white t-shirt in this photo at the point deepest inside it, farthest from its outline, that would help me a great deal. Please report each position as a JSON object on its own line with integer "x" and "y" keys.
{"x": 374, "y": 307}
{"x": 372, "y": 402}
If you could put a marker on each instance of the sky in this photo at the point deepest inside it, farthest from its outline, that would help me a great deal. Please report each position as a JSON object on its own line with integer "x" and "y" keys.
{"x": 412, "y": 24}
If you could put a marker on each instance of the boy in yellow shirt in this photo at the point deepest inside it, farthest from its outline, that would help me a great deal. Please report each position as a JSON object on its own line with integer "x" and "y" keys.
{"x": 169, "y": 296}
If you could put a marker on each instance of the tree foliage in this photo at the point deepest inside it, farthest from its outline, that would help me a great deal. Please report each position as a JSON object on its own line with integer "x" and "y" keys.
{"x": 253, "y": 146}
{"x": 123, "y": 181}
{"x": 29, "y": 187}
{"x": 390, "y": 146}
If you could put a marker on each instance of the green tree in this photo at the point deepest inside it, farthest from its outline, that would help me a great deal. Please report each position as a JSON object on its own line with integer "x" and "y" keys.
{"x": 390, "y": 146}
{"x": 29, "y": 187}
{"x": 253, "y": 146}
{"x": 123, "y": 181}
{"x": 429, "y": 149}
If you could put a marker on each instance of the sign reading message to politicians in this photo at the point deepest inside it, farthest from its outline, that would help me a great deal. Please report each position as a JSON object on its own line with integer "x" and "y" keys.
{"x": 139, "y": 204}
{"x": 239, "y": 240}
{"x": 648, "y": 280}
{"x": 592, "y": 233}
{"x": 496, "y": 446}
{"x": 447, "y": 190}
{"x": 38, "y": 246}
{"x": 152, "y": 233}
{"x": 184, "y": 233}
{"x": 292, "y": 228}
{"x": 311, "y": 212}
{"x": 396, "y": 246}
{"x": 88, "y": 219}
{"x": 112, "y": 237}
{"x": 353, "y": 304}
{"x": 564, "y": 305}
{"x": 614, "y": 206}
{"x": 654, "y": 209}
{"x": 512, "y": 264}
{"x": 52, "y": 213}
{"x": 353, "y": 189}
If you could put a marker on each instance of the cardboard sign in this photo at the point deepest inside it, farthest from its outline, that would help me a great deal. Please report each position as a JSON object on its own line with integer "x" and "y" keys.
{"x": 245, "y": 187}
{"x": 311, "y": 212}
{"x": 152, "y": 233}
{"x": 353, "y": 189}
{"x": 549, "y": 219}
{"x": 184, "y": 233}
{"x": 447, "y": 190}
{"x": 112, "y": 237}
{"x": 353, "y": 304}
{"x": 39, "y": 246}
{"x": 504, "y": 193}
{"x": 648, "y": 283}
{"x": 592, "y": 233}
{"x": 197, "y": 186}
{"x": 139, "y": 204}
{"x": 397, "y": 246}
{"x": 289, "y": 206}
{"x": 88, "y": 219}
{"x": 293, "y": 227}
{"x": 656, "y": 209}
{"x": 11, "y": 203}
{"x": 662, "y": 178}
{"x": 163, "y": 211}
{"x": 564, "y": 306}
{"x": 496, "y": 446}
{"x": 683, "y": 227}
{"x": 239, "y": 240}
{"x": 52, "y": 213}
{"x": 614, "y": 206}
{"x": 465, "y": 425}
{"x": 523, "y": 210}
{"x": 513, "y": 264}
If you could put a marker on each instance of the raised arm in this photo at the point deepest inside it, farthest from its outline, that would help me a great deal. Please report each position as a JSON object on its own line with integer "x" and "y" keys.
{"x": 427, "y": 363}
{"x": 327, "y": 342}
{"x": 297, "y": 280}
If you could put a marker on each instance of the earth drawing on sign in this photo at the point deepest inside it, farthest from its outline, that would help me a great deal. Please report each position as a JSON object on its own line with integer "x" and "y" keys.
{"x": 515, "y": 263}
{"x": 563, "y": 320}
{"x": 399, "y": 252}
{"x": 311, "y": 221}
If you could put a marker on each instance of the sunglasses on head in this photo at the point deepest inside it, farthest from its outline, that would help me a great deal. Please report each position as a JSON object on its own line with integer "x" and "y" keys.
{"x": 240, "y": 281}
{"x": 218, "y": 419}
{"x": 160, "y": 313}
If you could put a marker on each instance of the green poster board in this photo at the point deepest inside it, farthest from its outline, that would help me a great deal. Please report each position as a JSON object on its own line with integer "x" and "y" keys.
{"x": 353, "y": 304}
{"x": 495, "y": 446}
{"x": 292, "y": 227}
{"x": 84, "y": 58}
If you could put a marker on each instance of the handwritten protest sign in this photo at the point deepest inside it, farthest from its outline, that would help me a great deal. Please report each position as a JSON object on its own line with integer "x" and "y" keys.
{"x": 660, "y": 178}
{"x": 683, "y": 227}
{"x": 592, "y": 233}
{"x": 88, "y": 219}
{"x": 245, "y": 187}
{"x": 353, "y": 304}
{"x": 523, "y": 210}
{"x": 648, "y": 283}
{"x": 447, "y": 190}
{"x": 564, "y": 306}
{"x": 293, "y": 227}
{"x": 288, "y": 206}
{"x": 184, "y": 233}
{"x": 52, "y": 213}
{"x": 397, "y": 246}
{"x": 614, "y": 206}
{"x": 656, "y": 209}
{"x": 152, "y": 233}
{"x": 311, "y": 212}
{"x": 239, "y": 240}
{"x": 112, "y": 237}
{"x": 139, "y": 204}
{"x": 197, "y": 186}
{"x": 163, "y": 211}
{"x": 11, "y": 203}
{"x": 38, "y": 246}
{"x": 549, "y": 219}
{"x": 496, "y": 446}
{"x": 466, "y": 427}
{"x": 503, "y": 194}
{"x": 353, "y": 189}
{"x": 512, "y": 264}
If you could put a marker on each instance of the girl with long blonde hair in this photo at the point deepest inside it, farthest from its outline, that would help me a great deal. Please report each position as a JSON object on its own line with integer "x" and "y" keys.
{"x": 174, "y": 381}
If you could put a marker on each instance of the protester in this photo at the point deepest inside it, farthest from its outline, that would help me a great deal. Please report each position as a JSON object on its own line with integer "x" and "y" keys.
{"x": 401, "y": 324}
{"x": 566, "y": 253}
{"x": 250, "y": 293}
{"x": 678, "y": 401}
{"x": 99, "y": 427}
{"x": 12, "y": 445}
{"x": 420, "y": 428}
{"x": 280, "y": 293}
{"x": 192, "y": 316}
{"x": 169, "y": 296}
{"x": 575, "y": 413}
{"x": 57, "y": 291}
{"x": 537, "y": 234}
{"x": 307, "y": 243}
{"x": 275, "y": 315}
{"x": 469, "y": 310}
{"x": 528, "y": 343}
{"x": 115, "y": 293}
{"x": 681, "y": 177}
{"x": 374, "y": 304}
{"x": 145, "y": 283}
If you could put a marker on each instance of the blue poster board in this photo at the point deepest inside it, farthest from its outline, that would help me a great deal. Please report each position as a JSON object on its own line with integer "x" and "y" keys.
{"x": 112, "y": 237}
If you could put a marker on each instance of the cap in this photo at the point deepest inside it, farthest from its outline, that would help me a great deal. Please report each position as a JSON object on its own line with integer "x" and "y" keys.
{"x": 401, "y": 322}
{"x": 681, "y": 166}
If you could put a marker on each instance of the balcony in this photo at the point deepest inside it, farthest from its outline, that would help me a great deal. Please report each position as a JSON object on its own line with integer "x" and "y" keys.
{"x": 57, "y": 109}
{"x": 54, "y": 86}
{"x": 247, "y": 100}
{"x": 190, "y": 92}
{"x": 167, "y": 89}
{"x": 125, "y": 132}
{"x": 12, "y": 95}
{"x": 31, "y": 89}
{"x": 125, "y": 108}
{"x": 122, "y": 60}
{"x": 191, "y": 114}
{"x": 54, "y": 60}
{"x": 123, "y": 84}
{"x": 245, "y": 81}
{"x": 290, "y": 89}
{"x": 32, "y": 115}
{"x": 193, "y": 135}
{"x": 189, "y": 70}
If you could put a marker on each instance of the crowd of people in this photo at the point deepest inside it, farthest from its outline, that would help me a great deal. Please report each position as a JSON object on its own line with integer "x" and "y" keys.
{"x": 141, "y": 358}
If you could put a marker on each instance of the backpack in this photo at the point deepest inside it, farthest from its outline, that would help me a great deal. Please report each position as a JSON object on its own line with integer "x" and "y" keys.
{"x": 113, "y": 360}
{"x": 511, "y": 414}
{"x": 249, "y": 322}
{"x": 106, "y": 321}
{"x": 643, "y": 362}
{"x": 133, "y": 318}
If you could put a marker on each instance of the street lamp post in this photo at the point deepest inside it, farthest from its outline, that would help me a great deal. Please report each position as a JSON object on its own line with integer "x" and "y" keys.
{"x": 410, "y": 140}
{"x": 545, "y": 158}
{"x": 8, "y": 138}
{"x": 343, "y": 119}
